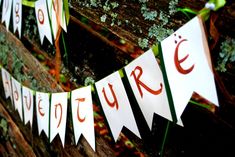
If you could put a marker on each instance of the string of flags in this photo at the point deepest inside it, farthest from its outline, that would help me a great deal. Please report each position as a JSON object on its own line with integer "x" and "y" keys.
{"x": 166, "y": 90}
{"x": 50, "y": 15}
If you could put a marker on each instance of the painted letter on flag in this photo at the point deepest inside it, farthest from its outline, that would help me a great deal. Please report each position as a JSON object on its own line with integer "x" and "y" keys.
{"x": 28, "y": 101}
{"x": 43, "y": 20}
{"x": 115, "y": 104}
{"x": 42, "y": 109}
{"x": 17, "y": 96}
{"x": 17, "y": 15}
{"x": 6, "y": 12}
{"x": 6, "y": 81}
{"x": 59, "y": 103}
{"x": 146, "y": 81}
{"x": 188, "y": 66}
{"x": 82, "y": 114}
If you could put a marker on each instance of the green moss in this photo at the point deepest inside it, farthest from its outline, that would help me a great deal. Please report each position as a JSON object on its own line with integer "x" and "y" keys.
{"x": 159, "y": 32}
{"x": 226, "y": 55}
{"x": 93, "y": 3}
{"x": 143, "y": 43}
{"x": 3, "y": 129}
{"x": 8, "y": 58}
{"x": 89, "y": 81}
{"x": 173, "y": 7}
{"x": 147, "y": 13}
{"x": 103, "y": 18}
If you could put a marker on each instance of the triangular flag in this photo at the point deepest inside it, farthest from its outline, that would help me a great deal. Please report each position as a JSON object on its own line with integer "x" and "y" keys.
{"x": 43, "y": 20}
{"x": 58, "y": 116}
{"x": 57, "y": 15}
{"x": 17, "y": 96}
{"x": 6, "y": 81}
{"x": 17, "y": 15}
{"x": 188, "y": 66}
{"x": 115, "y": 104}
{"x": 146, "y": 81}
{"x": 42, "y": 112}
{"x": 28, "y": 101}
{"x": 82, "y": 115}
{"x": 6, "y": 12}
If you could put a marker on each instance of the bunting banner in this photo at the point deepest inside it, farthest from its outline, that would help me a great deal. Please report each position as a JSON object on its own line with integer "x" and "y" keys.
{"x": 17, "y": 15}
{"x": 57, "y": 15}
{"x": 58, "y": 118}
{"x": 43, "y": 20}
{"x": 115, "y": 104}
{"x": 28, "y": 107}
{"x": 188, "y": 65}
{"x": 185, "y": 68}
{"x": 82, "y": 115}
{"x": 42, "y": 112}
{"x": 6, "y": 12}
{"x": 146, "y": 81}
{"x": 17, "y": 96}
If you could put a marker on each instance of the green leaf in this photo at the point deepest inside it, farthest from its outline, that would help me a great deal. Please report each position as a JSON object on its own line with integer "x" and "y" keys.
{"x": 218, "y": 3}
{"x": 66, "y": 9}
{"x": 121, "y": 73}
{"x": 63, "y": 78}
{"x": 205, "y": 14}
{"x": 28, "y": 3}
{"x": 155, "y": 49}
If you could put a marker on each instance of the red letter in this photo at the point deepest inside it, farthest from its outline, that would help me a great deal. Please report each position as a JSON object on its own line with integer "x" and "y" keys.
{"x": 40, "y": 108}
{"x": 115, "y": 102}
{"x": 16, "y": 94}
{"x": 26, "y": 102}
{"x": 140, "y": 83}
{"x": 6, "y": 82}
{"x": 179, "y": 61}
{"x": 61, "y": 112}
{"x": 79, "y": 118}
{"x": 40, "y": 16}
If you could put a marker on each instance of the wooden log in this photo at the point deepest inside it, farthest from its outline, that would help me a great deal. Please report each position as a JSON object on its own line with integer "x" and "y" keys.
{"x": 31, "y": 64}
{"x": 15, "y": 133}
{"x": 3, "y": 151}
{"x": 133, "y": 25}
{"x": 131, "y": 11}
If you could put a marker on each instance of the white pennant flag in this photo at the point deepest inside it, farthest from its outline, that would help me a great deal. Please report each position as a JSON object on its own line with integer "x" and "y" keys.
{"x": 42, "y": 112}
{"x": 57, "y": 15}
{"x": 82, "y": 114}
{"x": 28, "y": 101}
{"x": 6, "y": 12}
{"x": 116, "y": 105}
{"x": 17, "y": 15}
{"x": 59, "y": 103}
{"x": 17, "y": 96}
{"x": 146, "y": 81}
{"x": 43, "y": 20}
{"x": 6, "y": 81}
{"x": 188, "y": 66}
